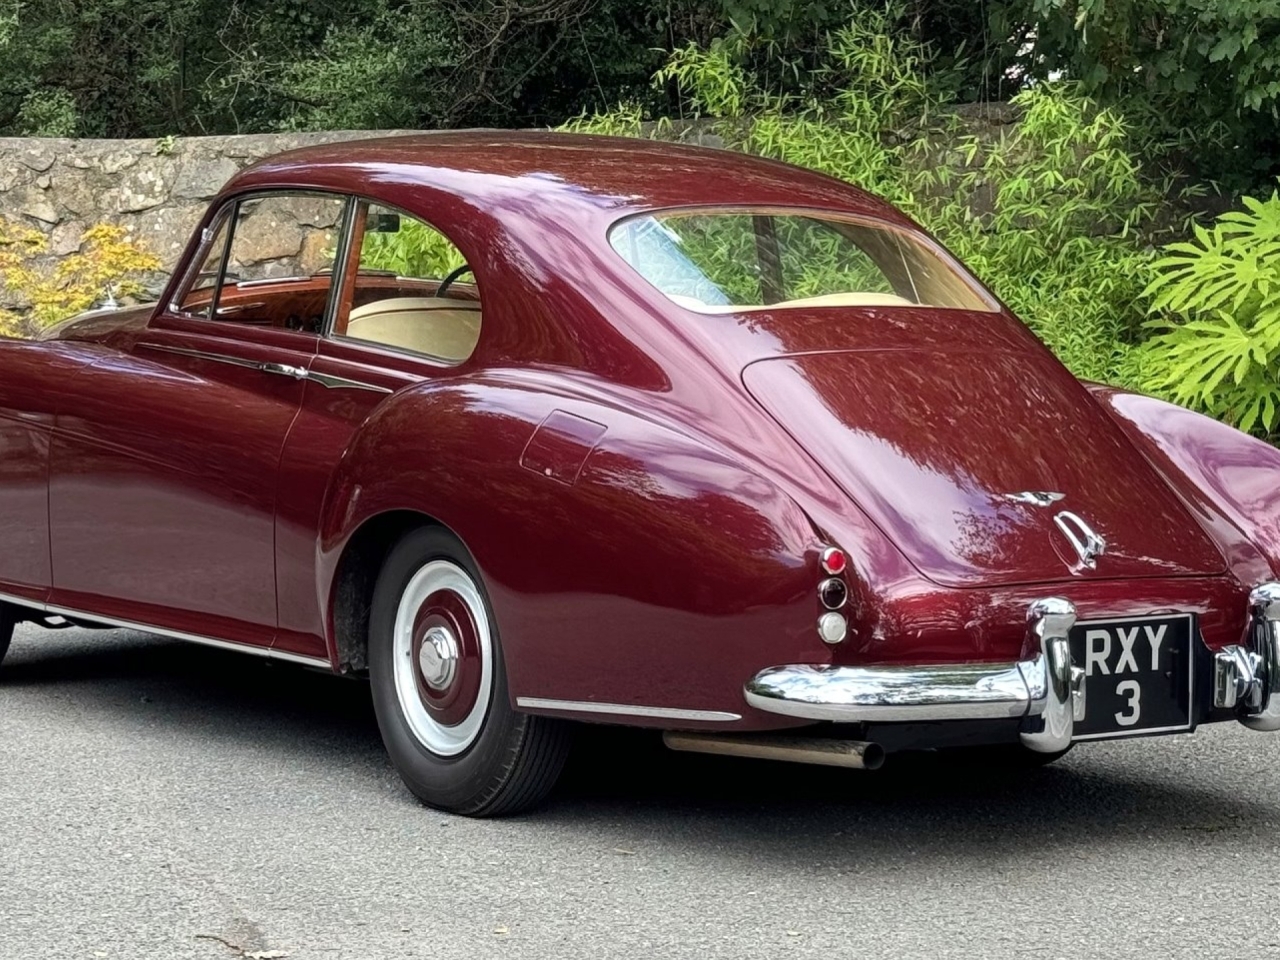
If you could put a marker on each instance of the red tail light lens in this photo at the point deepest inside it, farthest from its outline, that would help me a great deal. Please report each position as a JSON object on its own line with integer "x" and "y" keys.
{"x": 834, "y": 561}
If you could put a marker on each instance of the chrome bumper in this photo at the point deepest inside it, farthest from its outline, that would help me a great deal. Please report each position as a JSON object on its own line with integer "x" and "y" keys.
{"x": 1046, "y": 686}
{"x": 1246, "y": 679}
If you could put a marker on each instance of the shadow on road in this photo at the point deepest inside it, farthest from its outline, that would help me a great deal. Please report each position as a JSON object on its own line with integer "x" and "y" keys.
{"x": 625, "y": 780}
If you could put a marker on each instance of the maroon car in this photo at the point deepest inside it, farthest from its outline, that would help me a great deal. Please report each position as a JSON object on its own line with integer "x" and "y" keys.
{"x": 533, "y": 429}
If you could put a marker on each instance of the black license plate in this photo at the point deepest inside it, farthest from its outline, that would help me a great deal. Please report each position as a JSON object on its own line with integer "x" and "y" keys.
{"x": 1137, "y": 675}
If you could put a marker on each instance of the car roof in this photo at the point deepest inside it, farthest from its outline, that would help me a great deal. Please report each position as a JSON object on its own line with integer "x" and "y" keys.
{"x": 613, "y": 175}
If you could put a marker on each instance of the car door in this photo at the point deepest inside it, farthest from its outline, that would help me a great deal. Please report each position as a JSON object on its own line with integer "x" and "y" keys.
{"x": 395, "y": 322}
{"x": 165, "y": 454}
{"x": 33, "y": 374}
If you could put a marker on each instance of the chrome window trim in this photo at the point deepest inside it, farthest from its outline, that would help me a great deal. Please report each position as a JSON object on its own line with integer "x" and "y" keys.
{"x": 339, "y": 271}
{"x": 207, "y": 236}
{"x": 431, "y": 359}
{"x": 266, "y": 652}
{"x": 232, "y": 204}
{"x": 266, "y": 281}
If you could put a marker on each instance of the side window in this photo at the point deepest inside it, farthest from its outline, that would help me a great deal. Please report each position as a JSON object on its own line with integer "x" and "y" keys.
{"x": 278, "y": 271}
{"x": 411, "y": 288}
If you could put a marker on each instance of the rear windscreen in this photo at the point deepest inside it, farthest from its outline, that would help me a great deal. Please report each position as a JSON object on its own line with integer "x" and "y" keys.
{"x": 724, "y": 261}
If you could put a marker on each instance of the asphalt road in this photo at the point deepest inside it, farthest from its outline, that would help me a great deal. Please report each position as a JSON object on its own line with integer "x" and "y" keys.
{"x": 155, "y": 796}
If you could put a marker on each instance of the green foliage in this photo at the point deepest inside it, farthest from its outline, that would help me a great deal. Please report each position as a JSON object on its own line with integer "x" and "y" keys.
{"x": 46, "y": 290}
{"x": 414, "y": 250}
{"x": 1205, "y": 73}
{"x": 788, "y": 21}
{"x": 48, "y": 113}
{"x": 1218, "y": 301}
{"x": 147, "y": 68}
{"x": 1055, "y": 215}
{"x": 1052, "y": 216}
{"x": 366, "y": 74}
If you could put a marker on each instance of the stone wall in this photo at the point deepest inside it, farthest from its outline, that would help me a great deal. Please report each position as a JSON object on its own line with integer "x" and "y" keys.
{"x": 157, "y": 190}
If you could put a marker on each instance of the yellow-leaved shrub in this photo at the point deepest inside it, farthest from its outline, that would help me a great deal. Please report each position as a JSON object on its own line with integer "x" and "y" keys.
{"x": 42, "y": 292}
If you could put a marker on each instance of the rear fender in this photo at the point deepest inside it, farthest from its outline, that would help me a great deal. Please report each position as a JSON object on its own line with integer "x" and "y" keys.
{"x": 626, "y": 562}
{"x": 1230, "y": 480}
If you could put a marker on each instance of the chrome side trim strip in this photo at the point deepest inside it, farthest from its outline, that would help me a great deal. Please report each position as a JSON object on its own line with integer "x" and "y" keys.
{"x": 344, "y": 383}
{"x": 18, "y": 601}
{"x": 302, "y": 659}
{"x": 626, "y": 710}
{"x": 266, "y": 652}
{"x": 328, "y": 380}
{"x": 204, "y": 355}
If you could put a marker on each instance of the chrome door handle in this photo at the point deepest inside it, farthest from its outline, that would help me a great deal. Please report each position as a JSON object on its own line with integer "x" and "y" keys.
{"x": 283, "y": 370}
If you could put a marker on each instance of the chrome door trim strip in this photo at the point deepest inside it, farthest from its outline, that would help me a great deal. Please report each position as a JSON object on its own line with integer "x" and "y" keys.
{"x": 344, "y": 383}
{"x": 267, "y": 652}
{"x": 327, "y": 380}
{"x": 626, "y": 710}
{"x": 204, "y": 355}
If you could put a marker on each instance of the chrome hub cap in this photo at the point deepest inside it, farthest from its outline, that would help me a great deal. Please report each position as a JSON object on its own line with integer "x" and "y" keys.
{"x": 443, "y": 657}
{"x": 438, "y": 658}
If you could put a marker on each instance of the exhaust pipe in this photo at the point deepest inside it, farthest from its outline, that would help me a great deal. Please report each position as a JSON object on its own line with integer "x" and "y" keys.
{"x": 852, "y": 754}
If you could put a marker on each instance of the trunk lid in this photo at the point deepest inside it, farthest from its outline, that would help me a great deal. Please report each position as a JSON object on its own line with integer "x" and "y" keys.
{"x": 946, "y": 452}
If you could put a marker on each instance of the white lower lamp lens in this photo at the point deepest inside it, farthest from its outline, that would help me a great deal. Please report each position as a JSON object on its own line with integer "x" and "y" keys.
{"x": 832, "y": 627}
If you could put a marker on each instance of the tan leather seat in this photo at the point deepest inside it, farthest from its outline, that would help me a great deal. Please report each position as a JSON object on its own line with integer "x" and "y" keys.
{"x": 445, "y": 329}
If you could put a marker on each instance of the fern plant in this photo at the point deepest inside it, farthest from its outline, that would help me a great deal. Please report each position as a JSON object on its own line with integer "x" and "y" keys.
{"x": 1217, "y": 298}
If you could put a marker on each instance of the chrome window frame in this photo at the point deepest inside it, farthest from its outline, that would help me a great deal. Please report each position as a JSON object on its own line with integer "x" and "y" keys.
{"x": 230, "y": 210}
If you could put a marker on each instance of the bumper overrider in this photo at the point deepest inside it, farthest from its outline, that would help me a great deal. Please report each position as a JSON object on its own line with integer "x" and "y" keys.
{"x": 1049, "y": 686}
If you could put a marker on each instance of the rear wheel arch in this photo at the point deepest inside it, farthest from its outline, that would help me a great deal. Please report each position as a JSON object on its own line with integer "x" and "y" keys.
{"x": 356, "y": 576}
{"x": 438, "y": 678}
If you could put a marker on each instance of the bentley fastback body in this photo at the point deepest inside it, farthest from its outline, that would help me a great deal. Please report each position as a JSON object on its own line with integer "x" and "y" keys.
{"x": 543, "y": 428}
